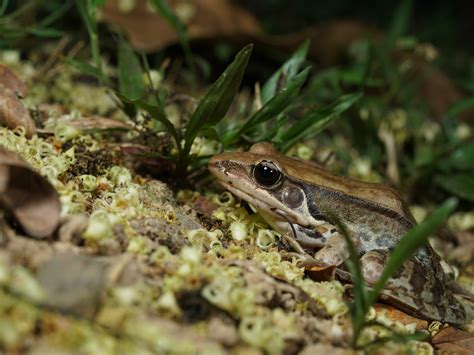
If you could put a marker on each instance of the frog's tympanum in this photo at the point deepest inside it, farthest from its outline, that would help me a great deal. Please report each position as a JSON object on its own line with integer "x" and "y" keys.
{"x": 295, "y": 196}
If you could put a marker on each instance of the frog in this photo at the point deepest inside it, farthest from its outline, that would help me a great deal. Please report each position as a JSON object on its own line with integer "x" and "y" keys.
{"x": 302, "y": 198}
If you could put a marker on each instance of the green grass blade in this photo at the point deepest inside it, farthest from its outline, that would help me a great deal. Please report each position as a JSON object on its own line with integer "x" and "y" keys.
{"x": 87, "y": 11}
{"x": 360, "y": 306}
{"x": 85, "y": 68}
{"x": 130, "y": 72}
{"x": 155, "y": 112}
{"x": 313, "y": 122}
{"x": 57, "y": 14}
{"x": 215, "y": 103}
{"x": 415, "y": 238}
{"x": 277, "y": 103}
{"x": 44, "y": 32}
{"x": 174, "y": 21}
{"x": 288, "y": 70}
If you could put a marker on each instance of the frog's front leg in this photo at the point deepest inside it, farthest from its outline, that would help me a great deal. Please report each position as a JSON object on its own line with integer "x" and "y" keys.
{"x": 335, "y": 252}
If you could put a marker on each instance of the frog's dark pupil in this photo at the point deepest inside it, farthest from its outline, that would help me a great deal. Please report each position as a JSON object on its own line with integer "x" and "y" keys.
{"x": 266, "y": 174}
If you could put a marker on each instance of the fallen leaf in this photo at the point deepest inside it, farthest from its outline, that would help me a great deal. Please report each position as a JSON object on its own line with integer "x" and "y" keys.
{"x": 12, "y": 82}
{"x": 399, "y": 316}
{"x": 13, "y": 113}
{"x": 89, "y": 123}
{"x": 148, "y": 31}
{"x": 28, "y": 196}
{"x": 454, "y": 341}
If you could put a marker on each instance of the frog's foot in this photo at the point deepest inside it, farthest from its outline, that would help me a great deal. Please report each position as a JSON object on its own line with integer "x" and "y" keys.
{"x": 415, "y": 289}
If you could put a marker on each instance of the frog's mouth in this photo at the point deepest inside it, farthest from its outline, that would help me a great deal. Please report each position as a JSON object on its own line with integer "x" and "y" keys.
{"x": 277, "y": 213}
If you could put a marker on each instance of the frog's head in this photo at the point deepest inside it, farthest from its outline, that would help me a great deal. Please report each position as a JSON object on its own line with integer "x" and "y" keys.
{"x": 264, "y": 177}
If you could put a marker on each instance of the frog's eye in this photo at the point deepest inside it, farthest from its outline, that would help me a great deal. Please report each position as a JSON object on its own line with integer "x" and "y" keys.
{"x": 266, "y": 174}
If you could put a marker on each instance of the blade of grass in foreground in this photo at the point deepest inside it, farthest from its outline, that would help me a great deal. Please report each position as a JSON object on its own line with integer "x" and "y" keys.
{"x": 360, "y": 306}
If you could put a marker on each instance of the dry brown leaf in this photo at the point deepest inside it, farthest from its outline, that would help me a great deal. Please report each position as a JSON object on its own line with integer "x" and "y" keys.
{"x": 96, "y": 122}
{"x": 147, "y": 31}
{"x": 454, "y": 341}
{"x": 13, "y": 113}
{"x": 11, "y": 81}
{"x": 29, "y": 197}
{"x": 399, "y": 316}
{"x": 89, "y": 123}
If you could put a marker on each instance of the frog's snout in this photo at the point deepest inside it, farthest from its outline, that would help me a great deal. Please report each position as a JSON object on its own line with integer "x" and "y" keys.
{"x": 215, "y": 165}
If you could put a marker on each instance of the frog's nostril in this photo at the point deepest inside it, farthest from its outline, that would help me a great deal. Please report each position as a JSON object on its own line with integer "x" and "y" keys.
{"x": 215, "y": 166}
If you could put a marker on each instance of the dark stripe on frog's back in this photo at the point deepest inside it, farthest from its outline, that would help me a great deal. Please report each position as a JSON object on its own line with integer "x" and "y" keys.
{"x": 315, "y": 193}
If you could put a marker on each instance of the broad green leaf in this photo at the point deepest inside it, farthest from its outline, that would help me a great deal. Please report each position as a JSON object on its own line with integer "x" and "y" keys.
{"x": 215, "y": 103}
{"x": 461, "y": 185}
{"x": 84, "y": 68}
{"x": 463, "y": 157}
{"x": 288, "y": 70}
{"x": 130, "y": 72}
{"x": 155, "y": 112}
{"x": 313, "y": 122}
{"x": 414, "y": 239}
{"x": 460, "y": 106}
{"x": 277, "y": 103}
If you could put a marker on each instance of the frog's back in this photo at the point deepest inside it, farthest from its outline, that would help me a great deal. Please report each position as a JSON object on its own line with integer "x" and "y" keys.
{"x": 368, "y": 193}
